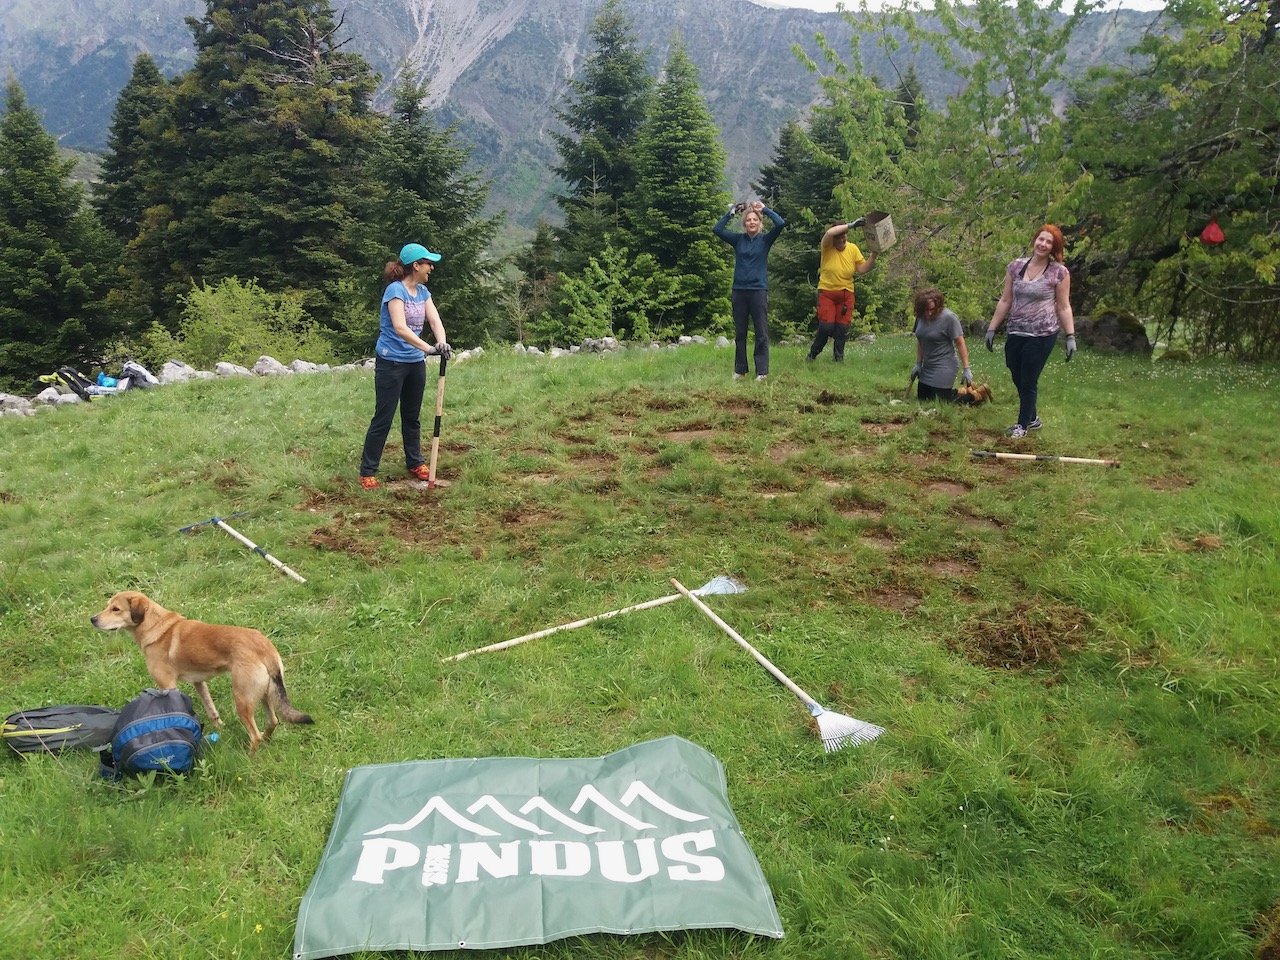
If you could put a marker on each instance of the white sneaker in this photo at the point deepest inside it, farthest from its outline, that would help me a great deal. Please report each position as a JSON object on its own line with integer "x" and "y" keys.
{"x": 1016, "y": 432}
{"x": 761, "y": 377}
{"x": 738, "y": 376}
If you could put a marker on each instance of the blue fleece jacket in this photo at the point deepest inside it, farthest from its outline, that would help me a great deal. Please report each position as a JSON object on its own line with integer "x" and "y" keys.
{"x": 750, "y": 253}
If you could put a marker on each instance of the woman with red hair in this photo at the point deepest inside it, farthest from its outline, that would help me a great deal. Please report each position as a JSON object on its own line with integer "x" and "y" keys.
{"x": 1037, "y": 304}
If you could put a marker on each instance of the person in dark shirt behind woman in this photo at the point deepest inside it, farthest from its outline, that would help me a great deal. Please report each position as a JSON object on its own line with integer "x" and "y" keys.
{"x": 750, "y": 296}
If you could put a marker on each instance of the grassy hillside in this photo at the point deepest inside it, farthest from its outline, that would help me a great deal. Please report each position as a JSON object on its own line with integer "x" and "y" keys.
{"x": 1075, "y": 665}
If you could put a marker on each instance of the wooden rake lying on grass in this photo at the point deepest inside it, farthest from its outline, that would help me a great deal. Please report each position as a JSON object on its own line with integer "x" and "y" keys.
{"x": 718, "y": 586}
{"x": 1042, "y": 458}
{"x": 837, "y": 731}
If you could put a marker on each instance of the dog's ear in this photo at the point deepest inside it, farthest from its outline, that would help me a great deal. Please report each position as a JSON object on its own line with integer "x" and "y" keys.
{"x": 137, "y": 607}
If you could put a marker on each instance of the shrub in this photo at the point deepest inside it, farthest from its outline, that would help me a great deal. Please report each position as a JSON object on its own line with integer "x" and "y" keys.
{"x": 237, "y": 322}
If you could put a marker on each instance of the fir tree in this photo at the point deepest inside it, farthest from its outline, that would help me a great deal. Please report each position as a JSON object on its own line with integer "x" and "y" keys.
{"x": 53, "y": 256}
{"x": 132, "y": 192}
{"x": 429, "y": 194}
{"x": 603, "y": 119}
{"x": 679, "y": 196}
{"x": 271, "y": 134}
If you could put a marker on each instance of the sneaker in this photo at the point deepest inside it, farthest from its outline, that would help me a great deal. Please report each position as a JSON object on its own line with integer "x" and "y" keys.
{"x": 1035, "y": 424}
{"x": 420, "y": 472}
{"x": 1016, "y": 432}
{"x": 369, "y": 483}
{"x": 763, "y": 376}
{"x": 738, "y": 376}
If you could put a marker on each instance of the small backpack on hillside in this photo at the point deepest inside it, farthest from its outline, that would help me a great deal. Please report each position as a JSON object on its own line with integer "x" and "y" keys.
{"x": 156, "y": 731}
{"x": 54, "y": 729}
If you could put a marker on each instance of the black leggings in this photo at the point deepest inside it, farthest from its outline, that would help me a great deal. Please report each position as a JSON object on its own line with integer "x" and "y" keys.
{"x": 1025, "y": 357}
{"x": 395, "y": 384}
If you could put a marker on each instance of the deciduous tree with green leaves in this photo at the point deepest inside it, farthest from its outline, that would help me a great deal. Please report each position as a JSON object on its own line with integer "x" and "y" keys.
{"x": 54, "y": 256}
{"x": 1189, "y": 136}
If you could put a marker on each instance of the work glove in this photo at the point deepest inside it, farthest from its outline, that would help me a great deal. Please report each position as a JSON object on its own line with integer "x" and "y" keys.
{"x": 855, "y": 224}
{"x": 1071, "y": 347}
{"x": 444, "y": 351}
{"x": 915, "y": 372}
{"x": 991, "y": 340}
{"x": 967, "y": 376}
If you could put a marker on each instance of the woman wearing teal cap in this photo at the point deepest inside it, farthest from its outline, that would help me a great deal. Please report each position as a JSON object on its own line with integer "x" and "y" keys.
{"x": 400, "y": 369}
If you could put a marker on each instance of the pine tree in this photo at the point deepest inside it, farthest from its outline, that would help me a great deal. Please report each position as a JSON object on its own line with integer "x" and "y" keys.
{"x": 271, "y": 133}
{"x": 429, "y": 194}
{"x": 603, "y": 118}
{"x": 536, "y": 286}
{"x": 679, "y": 196}
{"x": 132, "y": 192}
{"x": 805, "y": 166}
{"x": 53, "y": 256}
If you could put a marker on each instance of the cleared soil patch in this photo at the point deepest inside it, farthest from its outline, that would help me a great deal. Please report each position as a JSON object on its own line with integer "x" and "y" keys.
{"x": 1025, "y": 637}
{"x": 781, "y": 452}
{"x": 947, "y": 568}
{"x": 889, "y": 597}
{"x": 1170, "y": 482}
{"x": 882, "y": 429}
{"x": 879, "y": 540}
{"x": 687, "y": 436}
{"x": 827, "y": 398}
{"x": 951, "y": 488}
{"x": 339, "y": 538}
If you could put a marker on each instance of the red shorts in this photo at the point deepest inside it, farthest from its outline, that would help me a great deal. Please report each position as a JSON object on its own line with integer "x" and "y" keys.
{"x": 835, "y": 306}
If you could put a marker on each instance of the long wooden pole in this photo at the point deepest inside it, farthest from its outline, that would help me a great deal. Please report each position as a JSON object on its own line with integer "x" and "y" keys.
{"x": 1046, "y": 459}
{"x": 435, "y": 432}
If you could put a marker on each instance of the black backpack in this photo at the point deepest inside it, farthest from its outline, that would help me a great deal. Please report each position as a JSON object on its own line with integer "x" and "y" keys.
{"x": 54, "y": 729}
{"x": 156, "y": 731}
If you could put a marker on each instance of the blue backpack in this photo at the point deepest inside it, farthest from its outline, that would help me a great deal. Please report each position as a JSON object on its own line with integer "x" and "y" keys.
{"x": 157, "y": 731}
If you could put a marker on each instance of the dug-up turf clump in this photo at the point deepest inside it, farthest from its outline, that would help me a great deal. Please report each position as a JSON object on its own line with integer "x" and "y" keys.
{"x": 1026, "y": 637}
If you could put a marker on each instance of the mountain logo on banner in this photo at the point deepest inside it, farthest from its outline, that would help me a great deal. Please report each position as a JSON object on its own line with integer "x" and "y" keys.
{"x": 682, "y": 855}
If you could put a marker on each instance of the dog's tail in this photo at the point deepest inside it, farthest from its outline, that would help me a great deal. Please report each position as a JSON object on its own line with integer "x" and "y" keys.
{"x": 280, "y": 700}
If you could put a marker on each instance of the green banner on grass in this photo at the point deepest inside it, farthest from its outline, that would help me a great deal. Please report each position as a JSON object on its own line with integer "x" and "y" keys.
{"x": 498, "y": 852}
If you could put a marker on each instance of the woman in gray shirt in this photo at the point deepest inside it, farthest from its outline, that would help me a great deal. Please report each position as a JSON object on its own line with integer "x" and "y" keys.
{"x": 939, "y": 338}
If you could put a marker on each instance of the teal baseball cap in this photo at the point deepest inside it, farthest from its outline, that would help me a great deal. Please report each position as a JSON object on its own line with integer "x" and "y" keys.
{"x": 411, "y": 253}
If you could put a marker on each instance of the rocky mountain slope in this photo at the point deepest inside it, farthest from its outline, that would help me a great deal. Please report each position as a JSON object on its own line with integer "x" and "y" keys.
{"x": 499, "y": 68}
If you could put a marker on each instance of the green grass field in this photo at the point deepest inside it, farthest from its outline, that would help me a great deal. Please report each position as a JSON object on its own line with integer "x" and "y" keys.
{"x": 1076, "y": 666}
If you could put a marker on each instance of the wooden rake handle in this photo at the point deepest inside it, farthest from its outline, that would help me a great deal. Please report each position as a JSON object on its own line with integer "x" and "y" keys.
{"x": 435, "y": 432}
{"x": 564, "y": 626}
{"x": 778, "y": 675}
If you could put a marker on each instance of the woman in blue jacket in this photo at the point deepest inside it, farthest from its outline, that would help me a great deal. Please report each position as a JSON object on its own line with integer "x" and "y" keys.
{"x": 750, "y": 297}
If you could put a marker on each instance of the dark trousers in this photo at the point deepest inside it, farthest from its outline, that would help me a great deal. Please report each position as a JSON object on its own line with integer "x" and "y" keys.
{"x": 926, "y": 392}
{"x": 838, "y": 333}
{"x": 751, "y": 305}
{"x": 1025, "y": 357}
{"x": 395, "y": 384}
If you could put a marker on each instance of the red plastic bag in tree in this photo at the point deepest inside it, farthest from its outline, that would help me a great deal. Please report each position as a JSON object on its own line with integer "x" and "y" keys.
{"x": 1212, "y": 234}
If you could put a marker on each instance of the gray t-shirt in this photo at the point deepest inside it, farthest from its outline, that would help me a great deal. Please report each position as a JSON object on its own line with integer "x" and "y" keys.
{"x": 937, "y": 342}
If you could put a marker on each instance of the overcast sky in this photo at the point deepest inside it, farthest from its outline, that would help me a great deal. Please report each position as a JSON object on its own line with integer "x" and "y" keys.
{"x": 830, "y": 5}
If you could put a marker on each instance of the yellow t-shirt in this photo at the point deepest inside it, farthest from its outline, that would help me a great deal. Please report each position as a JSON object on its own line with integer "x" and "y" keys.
{"x": 837, "y": 267}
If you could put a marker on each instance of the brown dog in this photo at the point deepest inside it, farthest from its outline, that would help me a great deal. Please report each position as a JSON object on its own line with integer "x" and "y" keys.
{"x": 974, "y": 395}
{"x": 180, "y": 649}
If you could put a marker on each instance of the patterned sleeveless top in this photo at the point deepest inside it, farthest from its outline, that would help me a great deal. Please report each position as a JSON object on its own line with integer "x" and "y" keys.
{"x": 1034, "y": 312}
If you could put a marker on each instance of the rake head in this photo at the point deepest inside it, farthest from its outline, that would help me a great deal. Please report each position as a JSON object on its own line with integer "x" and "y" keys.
{"x": 838, "y": 731}
{"x": 719, "y": 587}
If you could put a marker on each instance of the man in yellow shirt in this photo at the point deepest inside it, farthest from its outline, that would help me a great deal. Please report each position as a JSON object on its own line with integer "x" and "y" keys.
{"x": 841, "y": 260}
